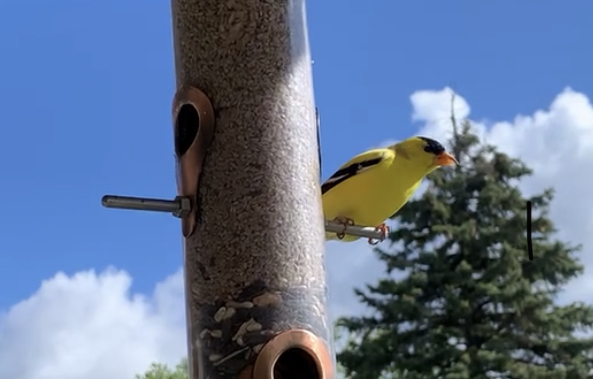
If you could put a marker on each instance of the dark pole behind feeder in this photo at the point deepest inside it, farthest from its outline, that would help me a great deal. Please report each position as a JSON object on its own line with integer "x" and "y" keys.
{"x": 248, "y": 160}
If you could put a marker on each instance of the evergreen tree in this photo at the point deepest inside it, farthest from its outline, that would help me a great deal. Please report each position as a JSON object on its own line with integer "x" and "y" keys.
{"x": 161, "y": 371}
{"x": 471, "y": 304}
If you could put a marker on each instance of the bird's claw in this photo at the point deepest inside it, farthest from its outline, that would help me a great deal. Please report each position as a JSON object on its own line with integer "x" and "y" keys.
{"x": 346, "y": 222}
{"x": 384, "y": 229}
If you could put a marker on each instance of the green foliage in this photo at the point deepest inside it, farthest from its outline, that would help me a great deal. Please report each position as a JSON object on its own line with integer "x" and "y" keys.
{"x": 160, "y": 371}
{"x": 466, "y": 302}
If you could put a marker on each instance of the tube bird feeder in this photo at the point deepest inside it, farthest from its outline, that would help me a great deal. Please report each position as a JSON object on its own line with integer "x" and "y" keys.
{"x": 254, "y": 240}
{"x": 249, "y": 198}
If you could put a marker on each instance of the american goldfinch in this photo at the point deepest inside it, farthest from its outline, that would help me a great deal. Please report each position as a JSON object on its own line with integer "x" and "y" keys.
{"x": 374, "y": 185}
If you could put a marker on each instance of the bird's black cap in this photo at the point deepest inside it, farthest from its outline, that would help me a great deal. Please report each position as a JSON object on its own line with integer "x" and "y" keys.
{"x": 432, "y": 146}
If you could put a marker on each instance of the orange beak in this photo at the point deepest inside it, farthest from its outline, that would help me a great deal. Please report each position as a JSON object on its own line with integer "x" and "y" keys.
{"x": 445, "y": 159}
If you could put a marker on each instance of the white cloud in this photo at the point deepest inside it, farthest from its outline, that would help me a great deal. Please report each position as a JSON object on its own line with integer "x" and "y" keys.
{"x": 90, "y": 326}
{"x": 349, "y": 265}
{"x": 434, "y": 107}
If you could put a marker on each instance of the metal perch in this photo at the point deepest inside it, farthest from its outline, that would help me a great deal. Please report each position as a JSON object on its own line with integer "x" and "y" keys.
{"x": 182, "y": 205}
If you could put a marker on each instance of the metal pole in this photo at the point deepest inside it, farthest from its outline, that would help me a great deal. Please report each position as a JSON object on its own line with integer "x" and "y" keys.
{"x": 255, "y": 280}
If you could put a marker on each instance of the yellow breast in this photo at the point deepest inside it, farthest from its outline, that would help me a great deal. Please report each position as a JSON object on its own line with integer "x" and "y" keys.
{"x": 373, "y": 196}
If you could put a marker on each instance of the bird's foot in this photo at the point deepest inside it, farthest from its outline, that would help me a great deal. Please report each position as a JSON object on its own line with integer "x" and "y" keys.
{"x": 384, "y": 229}
{"x": 346, "y": 222}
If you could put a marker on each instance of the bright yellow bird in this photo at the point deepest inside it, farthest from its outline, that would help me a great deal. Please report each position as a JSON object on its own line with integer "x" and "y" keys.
{"x": 374, "y": 185}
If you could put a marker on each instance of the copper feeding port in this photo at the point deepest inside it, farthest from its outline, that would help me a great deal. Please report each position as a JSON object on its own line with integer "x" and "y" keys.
{"x": 193, "y": 120}
{"x": 295, "y": 354}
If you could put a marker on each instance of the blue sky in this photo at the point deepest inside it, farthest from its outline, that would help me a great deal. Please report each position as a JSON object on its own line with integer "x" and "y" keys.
{"x": 86, "y": 89}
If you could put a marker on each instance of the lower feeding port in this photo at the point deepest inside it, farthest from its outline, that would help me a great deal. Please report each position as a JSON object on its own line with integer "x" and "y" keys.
{"x": 294, "y": 354}
{"x": 262, "y": 333}
{"x": 296, "y": 363}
